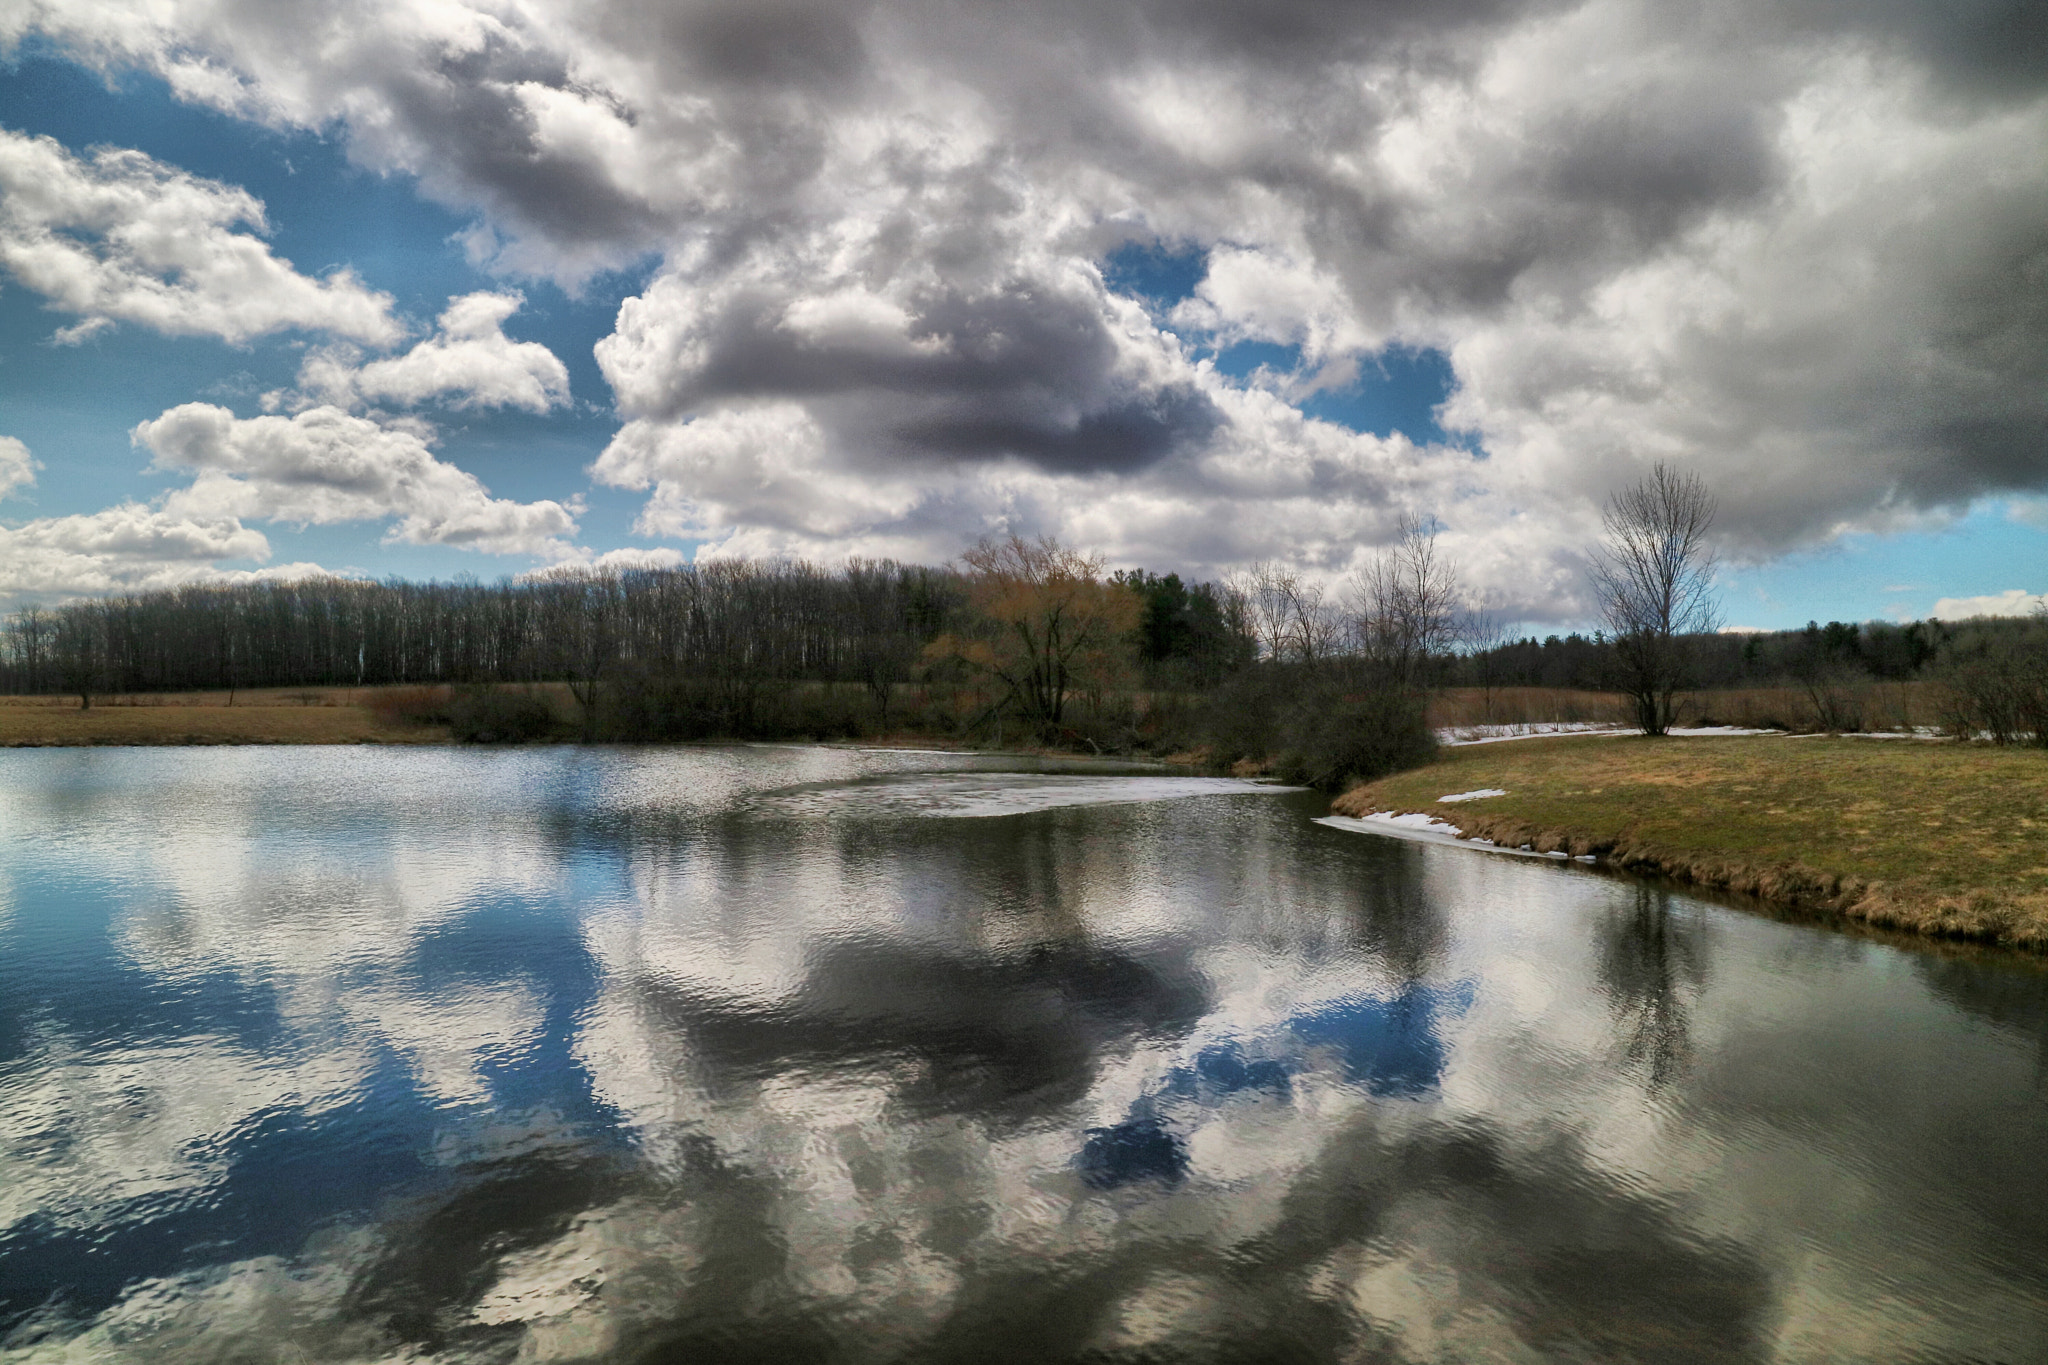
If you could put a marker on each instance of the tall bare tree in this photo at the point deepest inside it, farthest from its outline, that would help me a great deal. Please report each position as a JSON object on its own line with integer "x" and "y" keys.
{"x": 1405, "y": 605}
{"x": 1291, "y": 617}
{"x": 1654, "y": 576}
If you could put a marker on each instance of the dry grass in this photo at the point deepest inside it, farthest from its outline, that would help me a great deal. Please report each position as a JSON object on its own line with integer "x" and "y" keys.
{"x": 1463, "y": 707}
{"x": 1877, "y": 706}
{"x": 279, "y": 716}
{"x": 1936, "y": 838}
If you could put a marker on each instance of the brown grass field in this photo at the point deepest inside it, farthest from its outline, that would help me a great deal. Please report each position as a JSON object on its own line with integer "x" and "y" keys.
{"x": 1878, "y": 705}
{"x": 1459, "y": 707}
{"x": 1935, "y": 838}
{"x": 280, "y": 716}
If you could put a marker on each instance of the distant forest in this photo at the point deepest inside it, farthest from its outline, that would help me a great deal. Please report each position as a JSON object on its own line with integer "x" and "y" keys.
{"x": 1040, "y": 642}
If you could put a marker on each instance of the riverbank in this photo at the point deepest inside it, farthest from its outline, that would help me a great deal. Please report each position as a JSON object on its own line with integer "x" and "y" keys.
{"x": 1939, "y": 839}
{"x": 334, "y": 715}
{"x": 276, "y": 716}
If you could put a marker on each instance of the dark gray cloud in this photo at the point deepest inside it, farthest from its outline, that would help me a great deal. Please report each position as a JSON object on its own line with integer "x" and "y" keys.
{"x": 1995, "y": 49}
{"x": 1018, "y": 371}
{"x": 1122, "y": 437}
{"x": 1797, "y": 247}
{"x": 778, "y": 44}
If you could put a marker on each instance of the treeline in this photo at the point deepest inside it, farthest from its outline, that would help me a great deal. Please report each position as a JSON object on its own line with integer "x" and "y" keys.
{"x": 1021, "y": 641}
{"x": 781, "y": 620}
{"x": 1990, "y": 674}
{"x": 868, "y": 623}
{"x": 1882, "y": 650}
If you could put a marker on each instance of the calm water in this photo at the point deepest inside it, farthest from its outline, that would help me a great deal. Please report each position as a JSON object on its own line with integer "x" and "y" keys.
{"x": 818, "y": 1055}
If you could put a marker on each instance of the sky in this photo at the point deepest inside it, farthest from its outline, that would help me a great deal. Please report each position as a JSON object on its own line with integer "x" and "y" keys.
{"x": 434, "y": 288}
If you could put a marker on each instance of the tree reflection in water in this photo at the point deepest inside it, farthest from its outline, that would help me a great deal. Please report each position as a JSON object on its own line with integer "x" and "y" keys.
{"x": 1652, "y": 962}
{"x": 600, "y": 1057}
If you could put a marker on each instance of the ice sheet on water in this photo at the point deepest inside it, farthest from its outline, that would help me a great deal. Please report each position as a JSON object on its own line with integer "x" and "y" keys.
{"x": 1427, "y": 829}
{"x": 972, "y": 795}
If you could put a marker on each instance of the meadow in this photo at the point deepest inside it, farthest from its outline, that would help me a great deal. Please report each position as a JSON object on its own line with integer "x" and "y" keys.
{"x": 1933, "y": 837}
{"x": 329, "y": 715}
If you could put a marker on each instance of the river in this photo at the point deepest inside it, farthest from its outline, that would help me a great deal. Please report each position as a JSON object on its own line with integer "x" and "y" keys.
{"x": 764, "y": 1053}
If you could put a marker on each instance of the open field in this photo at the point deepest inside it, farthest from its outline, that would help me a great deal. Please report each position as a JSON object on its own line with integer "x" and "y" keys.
{"x": 1869, "y": 703}
{"x": 1936, "y": 838}
{"x": 1460, "y": 707}
{"x": 281, "y": 716}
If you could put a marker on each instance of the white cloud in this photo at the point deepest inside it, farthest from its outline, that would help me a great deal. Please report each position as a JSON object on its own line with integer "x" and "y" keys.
{"x": 1797, "y": 247}
{"x": 2011, "y": 602}
{"x": 17, "y": 467}
{"x": 124, "y": 547}
{"x": 325, "y": 466}
{"x": 469, "y": 362}
{"x": 620, "y": 560}
{"x": 769, "y": 480}
{"x": 119, "y": 237}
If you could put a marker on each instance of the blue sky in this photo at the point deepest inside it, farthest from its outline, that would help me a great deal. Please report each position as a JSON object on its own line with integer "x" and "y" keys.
{"x": 75, "y": 406}
{"x": 1291, "y": 387}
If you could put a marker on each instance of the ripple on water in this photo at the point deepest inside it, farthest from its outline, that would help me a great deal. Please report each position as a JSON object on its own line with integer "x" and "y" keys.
{"x": 798, "y": 1053}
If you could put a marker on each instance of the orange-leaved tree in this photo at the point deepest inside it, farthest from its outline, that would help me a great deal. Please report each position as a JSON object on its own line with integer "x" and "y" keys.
{"x": 1046, "y": 624}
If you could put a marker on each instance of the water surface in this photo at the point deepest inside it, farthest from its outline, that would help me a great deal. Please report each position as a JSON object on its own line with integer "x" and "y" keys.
{"x": 794, "y": 1054}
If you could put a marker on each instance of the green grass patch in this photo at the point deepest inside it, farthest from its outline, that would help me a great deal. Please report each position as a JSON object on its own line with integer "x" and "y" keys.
{"x": 1942, "y": 838}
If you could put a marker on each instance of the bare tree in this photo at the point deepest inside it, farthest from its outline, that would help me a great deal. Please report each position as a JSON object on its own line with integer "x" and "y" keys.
{"x": 1481, "y": 635}
{"x": 1654, "y": 575}
{"x": 1405, "y": 605}
{"x": 882, "y": 647}
{"x": 80, "y": 659}
{"x": 1051, "y": 623}
{"x": 1261, "y": 594}
{"x": 1291, "y": 617}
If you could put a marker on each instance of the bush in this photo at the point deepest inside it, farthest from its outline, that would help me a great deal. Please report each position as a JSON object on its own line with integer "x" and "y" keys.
{"x": 1998, "y": 686}
{"x": 1245, "y": 718}
{"x": 652, "y": 705}
{"x": 411, "y": 705}
{"x": 1320, "y": 728}
{"x": 489, "y": 715}
{"x": 1358, "y": 738}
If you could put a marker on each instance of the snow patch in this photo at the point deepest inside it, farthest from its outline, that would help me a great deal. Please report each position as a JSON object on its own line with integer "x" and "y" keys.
{"x": 1479, "y": 795}
{"x": 1454, "y": 736}
{"x": 1457, "y": 736}
{"x": 1711, "y": 731}
{"x": 1427, "y": 829}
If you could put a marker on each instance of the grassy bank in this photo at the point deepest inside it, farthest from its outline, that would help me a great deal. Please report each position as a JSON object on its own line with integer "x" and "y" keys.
{"x": 283, "y": 716}
{"x": 1935, "y": 838}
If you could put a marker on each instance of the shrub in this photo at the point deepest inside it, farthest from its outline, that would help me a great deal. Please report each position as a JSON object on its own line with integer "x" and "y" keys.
{"x": 1245, "y": 717}
{"x": 1998, "y": 686}
{"x": 652, "y": 705}
{"x": 490, "y": 715}
{"x": 1319, "y": 728}
{"x": 411, "y": 705}
{"x": 1358, "y": 738}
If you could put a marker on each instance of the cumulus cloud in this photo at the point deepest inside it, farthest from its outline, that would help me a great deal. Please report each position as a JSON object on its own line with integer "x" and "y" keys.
{"x": 1801, "y": 248}
{"x": 619, "y": 560}
{"x": 17, "y": 467}
{"x": 124, "y": 547}
{"x": 119, "y": 237}
{"x": 468, "y": 363}
{"x": 768, "y": 479}
{"x": 2011, "y": 602}
{"x": 324, "y": 466}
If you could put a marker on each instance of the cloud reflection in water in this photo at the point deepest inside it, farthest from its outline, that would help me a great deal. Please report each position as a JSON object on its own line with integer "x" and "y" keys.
{"x": 593, "y": 1056}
